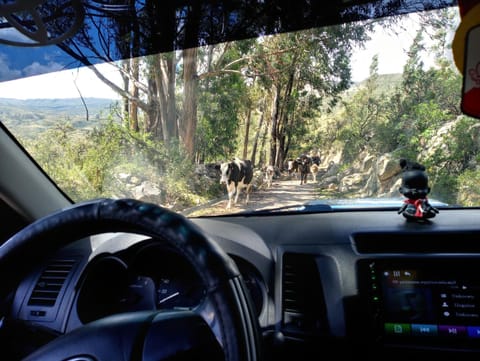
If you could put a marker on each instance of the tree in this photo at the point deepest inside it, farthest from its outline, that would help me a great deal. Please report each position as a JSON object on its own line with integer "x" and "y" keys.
{"x": 222, "y": 100}
{"x": 302, "y": 70}
{"x": 365, "y": 112}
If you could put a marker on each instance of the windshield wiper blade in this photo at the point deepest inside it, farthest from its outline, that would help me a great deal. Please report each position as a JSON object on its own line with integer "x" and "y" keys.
{"x": 294, "y": 208}
{"x": 323, "y": 206}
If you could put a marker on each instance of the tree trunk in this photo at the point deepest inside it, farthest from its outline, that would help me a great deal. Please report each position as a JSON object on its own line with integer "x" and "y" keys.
{"x": 126, "y": 85}
{"x": 190, "y": 79}
{"x": 165, "y": 80}
{"x": 133, "y": 88}
{"x": 247, "y": 131}
{"x": 274, "y": 126}
{"x": 190, "y": 100}
{"x": 286, "y": 113}
{"x": 152, "y": 112}
{"x": 263, "y": 152}
{"x": 257, "y": 136}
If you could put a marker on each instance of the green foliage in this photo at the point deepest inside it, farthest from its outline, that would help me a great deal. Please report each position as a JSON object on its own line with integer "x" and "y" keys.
{"x": 417, "y": 119}
{"x": 103, "y": 152}
{"x": 444, "y": 185}
{"x": 220, "y": 104}
{"x": 365, "y": 111}
{"x": 424, "y": 102}
{"x": 89, "y": 164}
{"x": 300, "y": 82}
{"x": 461, "y": 145}
{"x": 469, "y": 188}
{"x": 450, "y": 166}
{"x": 53, "y": 151}
{"x": 426, "y": 120}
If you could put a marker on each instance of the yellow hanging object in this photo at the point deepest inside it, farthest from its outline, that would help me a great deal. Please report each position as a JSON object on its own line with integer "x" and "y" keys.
{"x": 469, "y": 21}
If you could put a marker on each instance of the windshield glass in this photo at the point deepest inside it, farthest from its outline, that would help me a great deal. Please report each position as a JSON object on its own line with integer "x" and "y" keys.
{"x": 322, "y": 114}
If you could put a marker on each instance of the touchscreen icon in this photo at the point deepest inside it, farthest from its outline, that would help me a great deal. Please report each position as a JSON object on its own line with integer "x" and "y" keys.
{"x": 473, "y": 331}
{"x": 452, "y": 331}
{"x": 397, "y": 328}
{"x": 424, "y": 330}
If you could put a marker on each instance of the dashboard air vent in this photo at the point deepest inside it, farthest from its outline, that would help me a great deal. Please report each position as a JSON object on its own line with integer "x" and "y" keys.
{"x": 50, "y": 283}
{"x": 303, "y": 305}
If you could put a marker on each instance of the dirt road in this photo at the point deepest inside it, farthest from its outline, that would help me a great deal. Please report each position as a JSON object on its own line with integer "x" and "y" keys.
{"x": 282, "y": 193}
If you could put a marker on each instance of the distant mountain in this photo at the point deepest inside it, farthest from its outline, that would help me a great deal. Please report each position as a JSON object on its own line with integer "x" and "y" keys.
{"x": 31, "y": 116}
{"x": 386, "y": 82}
{"x": 72, "y": 107}
{"x": 386, "y": 85}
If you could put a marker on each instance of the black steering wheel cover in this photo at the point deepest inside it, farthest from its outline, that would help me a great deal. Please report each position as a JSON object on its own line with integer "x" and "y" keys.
{"x": 218, "y": 271}
{"x": 48, "y": 234}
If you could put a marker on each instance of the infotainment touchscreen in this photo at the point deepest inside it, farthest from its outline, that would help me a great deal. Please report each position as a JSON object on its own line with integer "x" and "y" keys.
{"x": 424, "y": 300}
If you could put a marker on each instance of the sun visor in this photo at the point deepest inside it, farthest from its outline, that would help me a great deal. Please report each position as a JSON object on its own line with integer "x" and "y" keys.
{"x": 42, "y": 36}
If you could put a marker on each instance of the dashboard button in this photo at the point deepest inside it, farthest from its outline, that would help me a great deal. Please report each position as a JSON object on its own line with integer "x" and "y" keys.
{"x": 398, "y": 329}
{"x": 424, "y": 330}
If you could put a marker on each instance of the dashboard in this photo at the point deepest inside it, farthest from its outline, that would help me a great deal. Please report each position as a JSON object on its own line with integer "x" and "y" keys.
{"x": 357, "y": 283}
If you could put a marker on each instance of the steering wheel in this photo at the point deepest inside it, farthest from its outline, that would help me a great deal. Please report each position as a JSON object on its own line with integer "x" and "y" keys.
{"x": 223, "y": 327}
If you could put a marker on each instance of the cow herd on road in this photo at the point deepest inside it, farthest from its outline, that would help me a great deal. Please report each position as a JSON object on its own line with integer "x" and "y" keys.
{"x": 238, "y": 174}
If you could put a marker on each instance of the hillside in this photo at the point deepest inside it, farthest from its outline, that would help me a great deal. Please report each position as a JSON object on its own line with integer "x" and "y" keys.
{"x": 386, "y": 83}
{"x": 35, "y": 115}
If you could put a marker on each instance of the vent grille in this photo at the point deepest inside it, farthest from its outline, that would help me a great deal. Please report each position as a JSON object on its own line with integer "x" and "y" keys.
{"x": 293, "y": 285}
{"x": 303, "y": 303}
{"x": 50, "y": 283}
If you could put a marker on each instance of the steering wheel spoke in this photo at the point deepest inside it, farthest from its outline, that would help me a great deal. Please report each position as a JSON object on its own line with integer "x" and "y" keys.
{"x": 146, "y": 336}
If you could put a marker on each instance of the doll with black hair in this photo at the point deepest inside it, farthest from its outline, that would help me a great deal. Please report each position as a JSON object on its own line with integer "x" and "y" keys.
{"x": 415, "y": 188}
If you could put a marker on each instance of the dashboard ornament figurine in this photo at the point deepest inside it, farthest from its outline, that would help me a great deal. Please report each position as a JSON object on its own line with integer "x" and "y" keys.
{"x": 415, "y": 188}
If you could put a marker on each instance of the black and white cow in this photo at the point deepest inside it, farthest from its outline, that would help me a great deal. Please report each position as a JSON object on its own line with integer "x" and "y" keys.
{"x": 292, "y": 166}
{"x": 236, "y": 175}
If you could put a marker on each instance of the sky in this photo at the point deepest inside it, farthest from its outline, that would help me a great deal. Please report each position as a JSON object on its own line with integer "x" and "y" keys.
{"x": 69, "y": 84}
{"x": 67, "y": 81}
{"x": 391, "y": 60}
{"x": 393, "y": 54}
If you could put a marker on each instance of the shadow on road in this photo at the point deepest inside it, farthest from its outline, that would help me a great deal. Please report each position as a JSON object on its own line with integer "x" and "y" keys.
{"x": 282, "y": 193}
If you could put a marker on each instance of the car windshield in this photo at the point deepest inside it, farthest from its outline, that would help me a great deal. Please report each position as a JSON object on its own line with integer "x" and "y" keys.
{"x": 324, "y": 115}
